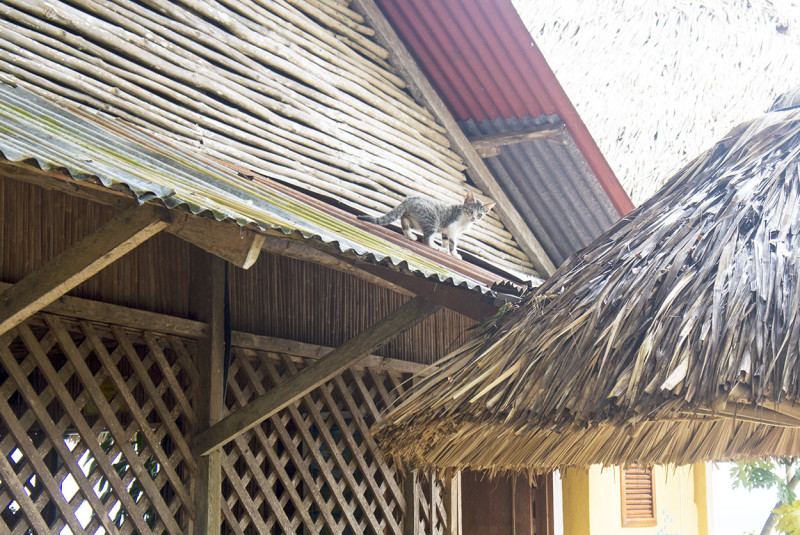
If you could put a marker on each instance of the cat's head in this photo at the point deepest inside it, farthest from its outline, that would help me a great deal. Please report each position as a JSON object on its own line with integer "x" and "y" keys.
{"x": 474, "y": 210}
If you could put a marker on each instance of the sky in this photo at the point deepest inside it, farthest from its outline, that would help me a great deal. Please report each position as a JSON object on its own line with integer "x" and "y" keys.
{"x": 735, "y": 511}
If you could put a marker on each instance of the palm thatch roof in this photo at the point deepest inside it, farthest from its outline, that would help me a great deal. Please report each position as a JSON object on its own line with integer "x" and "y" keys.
{"x": 673, "y": 338}
{"x": 715, "y": 62}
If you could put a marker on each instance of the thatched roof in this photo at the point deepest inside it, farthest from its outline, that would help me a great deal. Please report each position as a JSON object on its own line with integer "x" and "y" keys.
{"x": 656, "y": 82}
{"x": 673, "y": 338}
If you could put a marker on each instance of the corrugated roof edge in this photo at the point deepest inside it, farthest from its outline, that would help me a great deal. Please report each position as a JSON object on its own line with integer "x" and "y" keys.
{"x": 144, "y": 191}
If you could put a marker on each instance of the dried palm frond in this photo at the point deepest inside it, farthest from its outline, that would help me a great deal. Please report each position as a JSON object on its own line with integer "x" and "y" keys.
{"x": 674, "y": 337}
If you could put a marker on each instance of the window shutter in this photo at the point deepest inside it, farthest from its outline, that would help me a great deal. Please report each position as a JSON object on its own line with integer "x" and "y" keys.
{"x": 638, "y": 496}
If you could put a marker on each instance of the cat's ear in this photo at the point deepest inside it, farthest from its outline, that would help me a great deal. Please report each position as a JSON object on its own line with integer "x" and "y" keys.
{"x": 469, "y": 197}
{"x": 488, "y": 206}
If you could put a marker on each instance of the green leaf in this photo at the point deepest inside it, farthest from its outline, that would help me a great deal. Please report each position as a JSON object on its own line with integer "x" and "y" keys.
{"x": 789, "y": 518}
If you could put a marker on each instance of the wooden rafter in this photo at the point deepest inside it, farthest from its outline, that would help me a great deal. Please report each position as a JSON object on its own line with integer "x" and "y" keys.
{"x": 489, "y": 145}
{"x": 310, "y": 378}
{"x": 52, "y": 280}
{"x": 422, "y": 89}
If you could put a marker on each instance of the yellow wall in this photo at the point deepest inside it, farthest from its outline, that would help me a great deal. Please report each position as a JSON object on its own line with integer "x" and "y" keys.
{"x": 591, "y": 502}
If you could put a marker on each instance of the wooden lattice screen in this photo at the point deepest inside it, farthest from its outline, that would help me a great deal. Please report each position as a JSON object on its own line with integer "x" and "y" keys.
{"x": 95, "y": 424}
{"x": 312, "y": 468}
{"x": 93, "y": 420}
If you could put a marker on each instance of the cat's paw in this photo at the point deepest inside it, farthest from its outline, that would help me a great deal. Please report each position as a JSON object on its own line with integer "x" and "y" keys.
{"x": 455, "y": 253}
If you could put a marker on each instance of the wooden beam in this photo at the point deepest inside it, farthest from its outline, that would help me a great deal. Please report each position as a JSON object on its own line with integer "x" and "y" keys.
{"x": 208, "y": 303}
{"x": 467, "y": 302}
{"x": 228, "y": 241}
{"x": 52, "y": 280}
{"x": 487, "y": 146}
{"x": 288, "y": 247}
{"x": 310, "y": 378}
{"x": 301, "y": 350}
{"x": 421, "y": 88}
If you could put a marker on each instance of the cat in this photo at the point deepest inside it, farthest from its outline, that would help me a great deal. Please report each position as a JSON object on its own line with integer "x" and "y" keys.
{"x": 430, "y": 217}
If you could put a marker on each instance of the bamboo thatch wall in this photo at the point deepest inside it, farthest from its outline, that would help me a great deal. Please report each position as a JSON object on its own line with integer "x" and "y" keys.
{"x": 278, "y": 296}
{"x": 657, "y": 82}
{"x": 297, "y": 90}
{"x": 36, "y": 225}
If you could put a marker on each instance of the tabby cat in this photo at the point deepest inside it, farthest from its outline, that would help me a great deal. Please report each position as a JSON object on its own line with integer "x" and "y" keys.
{"x": 430, "y": 217}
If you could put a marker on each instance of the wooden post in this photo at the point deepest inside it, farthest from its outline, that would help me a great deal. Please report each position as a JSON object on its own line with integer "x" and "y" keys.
{"x": 452, "y": 502}
{"x": 207, "y": 300}
{"x": 411, "y": 517}
{"x": 64, "y": 272}
{"x": 332, "y": 364}
{"x": 543, "y": 505}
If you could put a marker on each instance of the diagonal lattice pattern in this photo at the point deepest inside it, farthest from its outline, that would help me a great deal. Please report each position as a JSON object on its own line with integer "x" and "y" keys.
{"x": 313, "y": 467}
{"x": 93, "y": 420}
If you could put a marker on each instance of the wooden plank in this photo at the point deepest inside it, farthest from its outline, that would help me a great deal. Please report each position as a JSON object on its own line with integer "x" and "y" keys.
{"x": 412, "y": 512}
{"x": 452, "y": 503}
{"x": 420, "y": 87}
{"x": 86, "y": 309}
{"x": 313, "y": 351}
{"x": 490, "y": 145}
{"x": 227, "y": 240}
{"x": 324, "y": 369}
{"x": 290, "y": 248}
{"x": 543, "y": 505}
{"x": 52, "y": 280}
{"x": 208, "y": 303}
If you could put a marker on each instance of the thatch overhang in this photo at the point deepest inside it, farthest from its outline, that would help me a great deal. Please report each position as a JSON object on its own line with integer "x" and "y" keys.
{"x": 673, "y": 338}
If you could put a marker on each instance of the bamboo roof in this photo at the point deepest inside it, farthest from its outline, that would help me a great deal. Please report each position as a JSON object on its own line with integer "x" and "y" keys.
{"x": 673, "y": 338}
{"x": 301, "y": 92}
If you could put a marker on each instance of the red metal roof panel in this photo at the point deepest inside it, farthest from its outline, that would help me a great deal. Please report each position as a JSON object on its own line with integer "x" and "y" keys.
{"x": 484, "y": 64}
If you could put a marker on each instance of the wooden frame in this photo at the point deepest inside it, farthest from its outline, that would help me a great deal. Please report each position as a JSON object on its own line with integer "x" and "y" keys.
{"x": 637, "y": 496}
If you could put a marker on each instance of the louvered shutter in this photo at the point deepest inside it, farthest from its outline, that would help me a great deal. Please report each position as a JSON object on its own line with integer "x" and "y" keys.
{"x": 638, "y": 496}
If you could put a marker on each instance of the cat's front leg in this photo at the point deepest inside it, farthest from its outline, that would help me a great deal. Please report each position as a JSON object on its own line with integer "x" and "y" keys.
{"x": 452, "y": 247}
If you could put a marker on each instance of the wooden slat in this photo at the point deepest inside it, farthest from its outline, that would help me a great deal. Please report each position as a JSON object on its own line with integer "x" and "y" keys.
{"x": 333, "y": 363}
{"x": 637, "y": 494}
{"x": 412, "y": 513}
{"x": 139, "y": 415}
{"x": 84, "y": 259}
{"x": 489, "y": 145}
{"x": 323, "y": 464}
{"x": 289, "y": 486}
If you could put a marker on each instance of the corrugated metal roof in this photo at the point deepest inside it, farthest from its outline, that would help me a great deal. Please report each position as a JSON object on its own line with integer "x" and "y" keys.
{"x": 90, "y": 145}
{"x": 485, "y": 65}
{"x": 550, "y": 184}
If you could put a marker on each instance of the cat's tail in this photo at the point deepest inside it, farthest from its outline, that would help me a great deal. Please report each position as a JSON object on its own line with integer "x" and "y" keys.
{"x": 393, "y": 215}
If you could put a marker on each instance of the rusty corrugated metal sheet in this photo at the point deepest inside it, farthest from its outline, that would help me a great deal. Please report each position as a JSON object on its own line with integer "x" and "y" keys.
{"x": 117, "y": 154}
{"x": 550, "y": 184}
{"x": 485, "y": 65}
